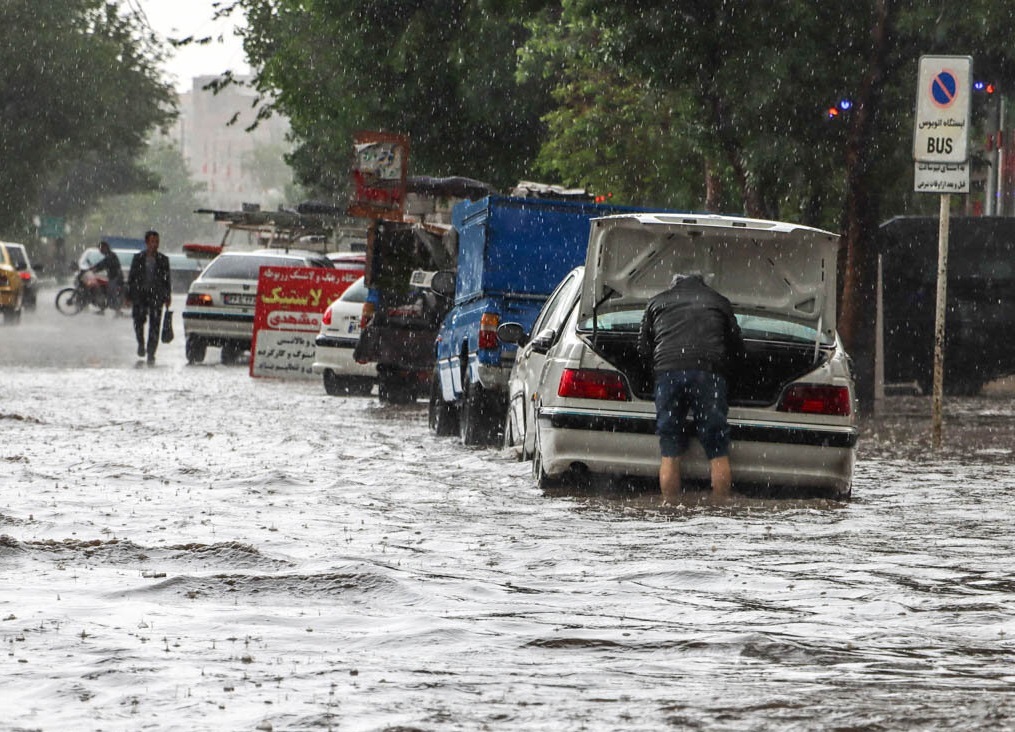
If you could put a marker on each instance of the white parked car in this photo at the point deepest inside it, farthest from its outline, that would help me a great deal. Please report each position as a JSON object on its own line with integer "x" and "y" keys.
{"x": 221, "y": 301}
{"x": 340, "y": 328}
{"x": 581, "y": 399}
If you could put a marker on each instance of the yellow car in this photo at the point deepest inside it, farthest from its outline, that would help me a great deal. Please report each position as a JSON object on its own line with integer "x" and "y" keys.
{"x": 11, "y": 287}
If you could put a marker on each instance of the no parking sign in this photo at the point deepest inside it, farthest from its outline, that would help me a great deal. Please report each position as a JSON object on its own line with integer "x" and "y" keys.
{"x": 943, "y": 97}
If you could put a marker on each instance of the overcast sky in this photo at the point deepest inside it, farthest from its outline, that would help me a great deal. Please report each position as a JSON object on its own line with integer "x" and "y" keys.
{"x": 182, "y": 18}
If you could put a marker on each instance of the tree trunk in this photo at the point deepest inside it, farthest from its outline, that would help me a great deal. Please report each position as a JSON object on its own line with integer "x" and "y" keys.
{"x": 858, "y": 256}
{"x": 713, "y": 188}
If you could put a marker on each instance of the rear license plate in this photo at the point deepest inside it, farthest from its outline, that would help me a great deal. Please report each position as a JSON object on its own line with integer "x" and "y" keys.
{"x": 231, "y": 298}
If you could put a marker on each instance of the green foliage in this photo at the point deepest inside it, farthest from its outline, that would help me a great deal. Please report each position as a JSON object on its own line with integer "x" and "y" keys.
{"x": 441, "y": 72}
{"x": 80, "y": 93}
{"x": 169, "y": 209}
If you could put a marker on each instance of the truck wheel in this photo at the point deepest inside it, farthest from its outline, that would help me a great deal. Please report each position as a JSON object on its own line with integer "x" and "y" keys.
{"x": 477, "y": 422}
{"x": 395, "y": 387}
{"x": 363, "y": 387}
{"x": 195, "y": 349}
{"x": 441, "y": 416}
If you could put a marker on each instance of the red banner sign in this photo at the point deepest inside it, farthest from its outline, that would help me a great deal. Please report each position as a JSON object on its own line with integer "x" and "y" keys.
{"x": 287, "y": 317}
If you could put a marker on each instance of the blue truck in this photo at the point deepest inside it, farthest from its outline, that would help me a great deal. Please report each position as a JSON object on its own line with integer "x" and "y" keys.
{"x": 511, "y": 254}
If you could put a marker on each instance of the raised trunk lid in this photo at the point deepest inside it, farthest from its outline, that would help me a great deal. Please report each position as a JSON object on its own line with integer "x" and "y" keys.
{"x": 765, "y": 267}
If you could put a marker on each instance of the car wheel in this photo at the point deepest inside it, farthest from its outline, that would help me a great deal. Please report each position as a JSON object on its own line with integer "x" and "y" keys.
{"x": 441, "y": 416}
{"x": 333, "y": 385}
{"x": 68, "y": 302}
{"x": 543, "y": 481}
{"x": 512, "y": 435}
{"x": 195, "y": 349}
{"x": 477, "y": 420}
{"x": 11, "y": 316}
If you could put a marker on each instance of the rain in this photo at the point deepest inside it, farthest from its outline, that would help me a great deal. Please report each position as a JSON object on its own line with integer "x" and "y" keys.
{"x": 186, "y": 546}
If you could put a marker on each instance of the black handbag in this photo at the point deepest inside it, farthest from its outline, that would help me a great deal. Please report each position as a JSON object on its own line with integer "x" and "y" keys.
{"x": 167, "y": 326}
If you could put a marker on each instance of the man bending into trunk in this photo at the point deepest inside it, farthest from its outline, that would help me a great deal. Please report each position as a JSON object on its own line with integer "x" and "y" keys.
{"x": 692, "y": 338}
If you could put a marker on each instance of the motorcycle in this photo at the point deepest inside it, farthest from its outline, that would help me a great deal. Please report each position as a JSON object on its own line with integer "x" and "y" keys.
{"x": 89, "y": 291}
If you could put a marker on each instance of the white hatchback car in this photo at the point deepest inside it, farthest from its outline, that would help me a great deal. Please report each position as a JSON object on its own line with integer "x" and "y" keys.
{"x": 340, "y": 328}
{"x": 581, "y": 399}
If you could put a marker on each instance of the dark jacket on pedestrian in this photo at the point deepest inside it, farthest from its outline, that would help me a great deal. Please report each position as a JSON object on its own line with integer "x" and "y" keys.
{"x": 111, "y": 264}
{"x": 691, "y": 327}
{"x": 158, "y": 289}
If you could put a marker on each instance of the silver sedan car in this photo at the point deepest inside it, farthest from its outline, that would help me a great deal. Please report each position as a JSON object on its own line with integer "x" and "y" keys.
{"x": 581, "y": 399}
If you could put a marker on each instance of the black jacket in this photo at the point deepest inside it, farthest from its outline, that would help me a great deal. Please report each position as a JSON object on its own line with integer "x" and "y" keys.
{"x": 691, "y": 327}
{"x": 111, "y": 264}
{"x": 136, "y": 289}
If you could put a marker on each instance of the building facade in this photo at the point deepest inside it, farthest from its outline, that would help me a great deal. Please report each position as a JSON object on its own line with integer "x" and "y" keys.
{"x": 235, "y": 164}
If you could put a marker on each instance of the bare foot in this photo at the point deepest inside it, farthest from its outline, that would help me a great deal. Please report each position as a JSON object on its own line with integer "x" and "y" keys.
{"x": 721, "y": 496}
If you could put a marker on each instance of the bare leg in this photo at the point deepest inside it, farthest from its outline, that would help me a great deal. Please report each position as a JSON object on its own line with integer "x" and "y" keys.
{"x": 722, "y": 477}
{"x": 669, "y": 479}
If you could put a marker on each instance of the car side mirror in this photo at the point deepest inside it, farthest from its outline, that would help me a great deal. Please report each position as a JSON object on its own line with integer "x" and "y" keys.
{"x": 443, "y": 283}
{"x": 542, "y": 342}
{"x": 512, "y": 333}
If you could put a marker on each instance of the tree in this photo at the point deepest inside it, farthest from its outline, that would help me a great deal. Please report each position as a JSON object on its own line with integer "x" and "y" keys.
{"x": 169, "y": 209}
{"x": 80, "y": 93}
{"x": 750, "y": 80}
{"x": 441, "y": 72}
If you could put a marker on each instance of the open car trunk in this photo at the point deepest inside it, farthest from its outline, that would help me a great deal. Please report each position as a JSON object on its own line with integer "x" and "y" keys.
{"x": 759, "y": 381}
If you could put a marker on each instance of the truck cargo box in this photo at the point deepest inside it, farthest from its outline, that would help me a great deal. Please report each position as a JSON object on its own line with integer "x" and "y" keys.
{"x": 520, "y": 246}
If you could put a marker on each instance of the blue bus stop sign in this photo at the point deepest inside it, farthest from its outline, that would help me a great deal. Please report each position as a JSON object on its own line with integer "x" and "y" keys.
{"x": 943, "y": 97}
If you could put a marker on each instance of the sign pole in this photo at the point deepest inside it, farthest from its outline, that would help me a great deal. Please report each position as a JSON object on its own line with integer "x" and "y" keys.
{"x": 941, "y": 157}
{"x": 939, "y": 319}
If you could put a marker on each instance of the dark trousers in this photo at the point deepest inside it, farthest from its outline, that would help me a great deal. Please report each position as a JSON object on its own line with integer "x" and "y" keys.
{"x": 150, "y": 310}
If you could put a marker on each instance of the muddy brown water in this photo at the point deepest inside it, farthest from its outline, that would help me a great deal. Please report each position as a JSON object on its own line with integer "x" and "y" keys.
{"x": 184, "y": 547}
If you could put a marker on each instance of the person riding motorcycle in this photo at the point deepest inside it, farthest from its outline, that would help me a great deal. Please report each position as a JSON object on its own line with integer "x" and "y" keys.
{"x": 114, "y": 274}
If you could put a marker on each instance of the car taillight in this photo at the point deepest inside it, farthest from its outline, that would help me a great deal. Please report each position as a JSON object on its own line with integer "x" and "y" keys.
{"x": 592, "y": 384}
{"x": 488, "y": 330}
{"x": 366, "y": 315}
{"x": 812, "y": 399}
{"x": 25, "y": 276}
{"x": 326, "y": 320}
{"x": 199, "y": 298}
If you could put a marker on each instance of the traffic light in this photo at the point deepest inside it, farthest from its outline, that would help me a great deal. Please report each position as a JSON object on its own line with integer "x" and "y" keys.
{"x": 984, "y": 87}
{"x": 843, "y": 105}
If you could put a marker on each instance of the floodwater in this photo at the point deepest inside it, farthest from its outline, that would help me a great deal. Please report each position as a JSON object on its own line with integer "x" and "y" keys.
{"x": 187, "y": 548}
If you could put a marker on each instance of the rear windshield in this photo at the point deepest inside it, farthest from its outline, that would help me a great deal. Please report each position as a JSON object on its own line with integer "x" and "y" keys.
{"x": 18, "y": 257}
{"x": 357, "y": 292}
{"x": 247, "y": 267}
{"x": 183, "y": 262}
{"x": 753, "y": 327}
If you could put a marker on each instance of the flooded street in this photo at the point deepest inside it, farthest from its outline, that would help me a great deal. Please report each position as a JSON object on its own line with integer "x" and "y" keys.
{"x": 184, "y": 548}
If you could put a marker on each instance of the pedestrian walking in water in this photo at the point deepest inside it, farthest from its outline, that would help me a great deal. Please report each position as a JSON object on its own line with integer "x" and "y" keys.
{"x": 690, "y": 335}
{"x": 148, "y": 286}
